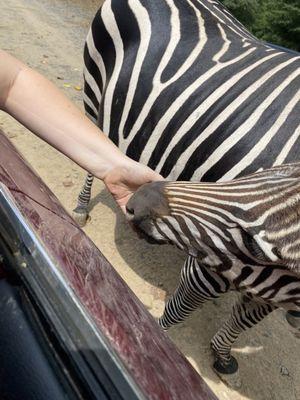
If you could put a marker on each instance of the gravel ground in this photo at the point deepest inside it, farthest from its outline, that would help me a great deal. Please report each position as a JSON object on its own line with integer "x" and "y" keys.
{"x": 49, "y": 36}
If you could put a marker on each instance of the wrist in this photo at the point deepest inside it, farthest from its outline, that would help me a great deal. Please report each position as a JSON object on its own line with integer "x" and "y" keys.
{"x": 116, "y": 162}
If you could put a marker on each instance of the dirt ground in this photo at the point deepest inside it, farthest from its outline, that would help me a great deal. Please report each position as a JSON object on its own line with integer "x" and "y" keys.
{"x": 49, "y": 36}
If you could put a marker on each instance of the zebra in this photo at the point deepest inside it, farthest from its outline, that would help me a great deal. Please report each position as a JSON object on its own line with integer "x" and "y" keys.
{"x": 241, "y": 235}
{"x": 183, "y": 87}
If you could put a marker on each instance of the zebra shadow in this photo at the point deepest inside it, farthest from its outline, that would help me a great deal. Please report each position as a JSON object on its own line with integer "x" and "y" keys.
{"x": 264, "y": 352}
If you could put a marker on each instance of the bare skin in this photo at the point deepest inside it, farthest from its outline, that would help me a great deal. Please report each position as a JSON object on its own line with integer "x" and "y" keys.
{"x": 41, "y": 107}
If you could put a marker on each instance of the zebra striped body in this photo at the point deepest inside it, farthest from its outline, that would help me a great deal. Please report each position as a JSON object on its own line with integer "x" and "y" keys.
{"x": 246, "y": 232}
{"x": 182, "y": 87}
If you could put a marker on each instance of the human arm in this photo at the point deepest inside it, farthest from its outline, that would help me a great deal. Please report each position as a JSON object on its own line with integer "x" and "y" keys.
{"x": 41, "y": 107}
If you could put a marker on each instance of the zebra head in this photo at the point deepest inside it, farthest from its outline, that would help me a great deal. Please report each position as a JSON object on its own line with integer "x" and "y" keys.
{"x": 146, "y": 209}
{"x": 153, "y": 213}
{"x": 254, "y": 219}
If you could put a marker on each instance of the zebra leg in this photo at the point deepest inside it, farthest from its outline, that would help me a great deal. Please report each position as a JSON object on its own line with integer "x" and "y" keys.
{"x": 245, "y": 314}
{"x": 91, "y": 102}
{"x": 80, "y": 213}
{"x": 293, "y": 318}
{"x": 197, "y": 285}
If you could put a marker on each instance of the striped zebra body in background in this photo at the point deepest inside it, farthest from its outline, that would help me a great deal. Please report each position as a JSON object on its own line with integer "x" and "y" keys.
{"x": 246, "y": 232}
{"x": 182, "y": 86}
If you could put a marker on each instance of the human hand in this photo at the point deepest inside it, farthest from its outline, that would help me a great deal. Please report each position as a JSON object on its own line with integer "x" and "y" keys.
{"x": 123, "y": 181}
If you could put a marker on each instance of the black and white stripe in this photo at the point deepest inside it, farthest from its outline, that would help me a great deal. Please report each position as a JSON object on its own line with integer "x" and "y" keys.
{"x": 183, "y": 87}
{"x": 241, "y": 235}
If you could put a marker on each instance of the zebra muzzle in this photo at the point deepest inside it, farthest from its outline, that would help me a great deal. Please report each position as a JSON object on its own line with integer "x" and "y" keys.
{"x": 147, "y": 205}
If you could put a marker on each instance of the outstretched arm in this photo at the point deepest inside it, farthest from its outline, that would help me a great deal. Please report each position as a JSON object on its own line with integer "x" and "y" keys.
{"x": 41, "y": 107}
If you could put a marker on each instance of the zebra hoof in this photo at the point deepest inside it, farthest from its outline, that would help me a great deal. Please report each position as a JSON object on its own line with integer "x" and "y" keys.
{"x": 293, "y": 318}
{"x": 80, "y": 216}
{"x": 228, "y": 373}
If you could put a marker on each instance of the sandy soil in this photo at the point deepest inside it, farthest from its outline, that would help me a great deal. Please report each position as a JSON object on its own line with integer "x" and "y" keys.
{"x": 49, "y": 36}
